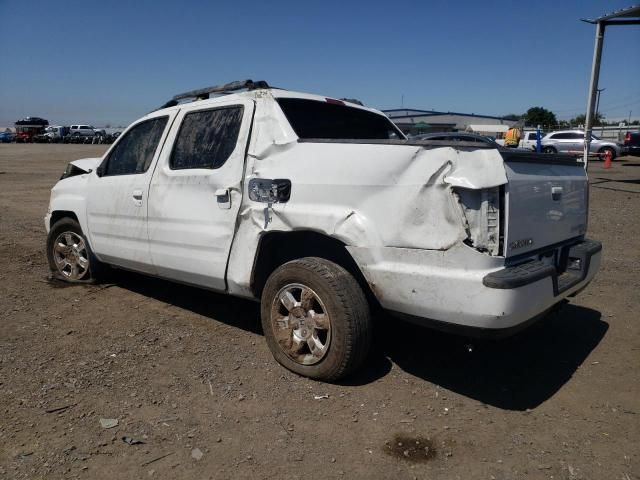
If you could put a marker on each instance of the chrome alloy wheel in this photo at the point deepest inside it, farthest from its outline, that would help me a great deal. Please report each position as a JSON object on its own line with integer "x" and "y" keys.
{"x": 301, "y": 324}
{"x": 71, "y": 256}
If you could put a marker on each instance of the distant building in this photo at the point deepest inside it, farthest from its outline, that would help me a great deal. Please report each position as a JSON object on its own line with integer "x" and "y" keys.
{"x": 412, "y": 121}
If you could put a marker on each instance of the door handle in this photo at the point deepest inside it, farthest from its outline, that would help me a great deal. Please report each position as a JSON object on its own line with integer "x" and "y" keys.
{"x": 137, "y": 198}
{"x": 223, "y": 196}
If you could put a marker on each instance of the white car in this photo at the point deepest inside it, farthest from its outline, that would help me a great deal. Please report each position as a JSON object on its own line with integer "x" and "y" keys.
{"x": 572, "y": 142}
{"x": 529, "y": 140}
{"x": 83, "y": 130}
{"x": 320, "y": 210}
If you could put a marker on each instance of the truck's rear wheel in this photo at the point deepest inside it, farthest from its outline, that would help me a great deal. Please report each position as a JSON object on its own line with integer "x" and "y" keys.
{"x": 549, "y": 150}
{"x": 68, "y": 253}
{"x": 316, "y": 318}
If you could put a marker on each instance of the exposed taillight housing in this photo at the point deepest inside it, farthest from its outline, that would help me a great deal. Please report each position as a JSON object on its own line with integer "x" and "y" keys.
{"x": 483, "y": 211}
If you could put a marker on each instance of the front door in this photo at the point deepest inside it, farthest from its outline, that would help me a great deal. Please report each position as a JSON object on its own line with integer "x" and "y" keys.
{"x": 196, "y": 191}
{"x": 117, "y": 195}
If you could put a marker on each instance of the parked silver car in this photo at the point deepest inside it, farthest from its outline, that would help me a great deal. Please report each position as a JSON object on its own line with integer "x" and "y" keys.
{"x": 572, "y": 141}
{"x": 85, "y": 131}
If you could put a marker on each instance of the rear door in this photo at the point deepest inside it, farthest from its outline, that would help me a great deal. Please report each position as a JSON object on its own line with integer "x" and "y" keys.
{"x": 569, "y": 142}
{"x": 196, "y": 192}
{"x": 117, "y": 195}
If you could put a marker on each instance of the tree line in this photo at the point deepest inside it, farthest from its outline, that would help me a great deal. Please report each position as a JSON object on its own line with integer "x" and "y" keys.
{"x": 546, "y": 118}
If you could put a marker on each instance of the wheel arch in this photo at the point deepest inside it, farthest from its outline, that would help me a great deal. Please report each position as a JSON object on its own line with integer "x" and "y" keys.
{"x": 57, "y": 215}
{"x": 276, "y": 248}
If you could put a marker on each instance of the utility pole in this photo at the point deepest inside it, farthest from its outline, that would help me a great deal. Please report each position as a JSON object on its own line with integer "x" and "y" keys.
{"x": 599, "y": 90}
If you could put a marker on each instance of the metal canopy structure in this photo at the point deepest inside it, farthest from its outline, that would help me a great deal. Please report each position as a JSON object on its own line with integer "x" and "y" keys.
{"x": 626, "y": 16}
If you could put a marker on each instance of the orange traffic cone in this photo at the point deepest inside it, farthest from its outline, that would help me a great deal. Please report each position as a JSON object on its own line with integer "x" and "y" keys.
{"x": 607, "y": 159}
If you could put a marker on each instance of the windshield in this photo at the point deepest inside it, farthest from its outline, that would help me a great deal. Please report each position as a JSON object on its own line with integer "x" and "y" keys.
{"x": 593, "y": 137}
{"x": 312, "y": 119}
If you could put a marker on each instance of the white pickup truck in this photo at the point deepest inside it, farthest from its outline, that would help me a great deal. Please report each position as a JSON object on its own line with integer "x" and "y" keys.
{"x": 323, "y": 211}
{"x": 527, "y": 142}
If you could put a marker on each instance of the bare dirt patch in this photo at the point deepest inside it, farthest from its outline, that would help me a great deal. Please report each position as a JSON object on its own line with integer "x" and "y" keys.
{"x": 192, "y": 385}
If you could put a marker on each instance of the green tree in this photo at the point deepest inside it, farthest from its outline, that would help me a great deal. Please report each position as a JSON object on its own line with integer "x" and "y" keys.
{"x": 582, "y": 120}
{"x": 540, "y": 116}
{"x": 579, "y": 119}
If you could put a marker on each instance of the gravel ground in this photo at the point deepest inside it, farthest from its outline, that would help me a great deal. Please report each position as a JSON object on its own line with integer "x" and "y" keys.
{"x": 196, "y": 394}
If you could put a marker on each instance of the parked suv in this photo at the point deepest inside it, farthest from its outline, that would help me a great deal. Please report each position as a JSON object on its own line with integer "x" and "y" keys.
{"x": 572, "y": 141}
{"x": 320, "y": 210}
{"x": 82, "y": 130}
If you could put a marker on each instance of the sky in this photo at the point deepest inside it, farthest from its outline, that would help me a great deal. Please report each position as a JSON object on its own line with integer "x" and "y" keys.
{"x": 112, "y": 62}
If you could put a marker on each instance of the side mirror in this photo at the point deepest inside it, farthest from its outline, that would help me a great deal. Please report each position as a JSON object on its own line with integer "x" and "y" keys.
{"x": 100, "y": 170}
{"x": 266, "y": 190}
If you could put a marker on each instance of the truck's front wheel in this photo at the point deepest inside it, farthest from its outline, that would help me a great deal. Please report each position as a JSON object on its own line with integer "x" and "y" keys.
{"x": 316, "y": 318}
{"x": 68, "y": 252}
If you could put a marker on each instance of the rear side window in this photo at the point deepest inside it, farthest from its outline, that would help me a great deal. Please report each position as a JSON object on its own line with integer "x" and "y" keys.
{"x": 134, "y": 152}
{"x": 207, "y": 138}
{"x": 312, "y": 119}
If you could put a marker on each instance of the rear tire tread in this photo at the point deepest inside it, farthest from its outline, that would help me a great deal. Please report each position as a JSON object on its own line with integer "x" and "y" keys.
{"x": 352, "y": 305}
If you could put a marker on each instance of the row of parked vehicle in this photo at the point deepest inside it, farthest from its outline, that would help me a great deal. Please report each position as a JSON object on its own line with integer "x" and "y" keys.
{"x": 75, "y": 134}
{"x": 38, "y": 130}
{"x": 564, "y": 141}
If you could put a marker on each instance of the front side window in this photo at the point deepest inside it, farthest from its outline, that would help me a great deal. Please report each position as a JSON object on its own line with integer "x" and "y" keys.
{"x": 134, "y": 152}
{"x": 207, "y": 138}
{"x": 312, "y": 119}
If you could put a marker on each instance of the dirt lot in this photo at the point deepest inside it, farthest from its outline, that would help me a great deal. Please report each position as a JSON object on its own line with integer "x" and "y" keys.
{"x": 187, "y": 373}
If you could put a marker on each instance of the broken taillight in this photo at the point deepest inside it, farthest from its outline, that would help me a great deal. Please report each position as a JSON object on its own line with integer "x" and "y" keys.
{"x": 483, "y": 213}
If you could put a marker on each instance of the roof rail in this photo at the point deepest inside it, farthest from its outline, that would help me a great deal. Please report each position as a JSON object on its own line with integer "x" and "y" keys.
{"x": 204, "y": 93}
{"x": 227, "y": 88}
{"x": 353, "y": 100}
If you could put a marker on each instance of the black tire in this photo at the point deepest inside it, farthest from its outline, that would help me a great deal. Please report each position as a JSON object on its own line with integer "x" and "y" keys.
{"x": 95, "y": 268}
{"x": 604, "y": 150}
{"x": 549, "y": 150}
{"x": 345, "y": 304}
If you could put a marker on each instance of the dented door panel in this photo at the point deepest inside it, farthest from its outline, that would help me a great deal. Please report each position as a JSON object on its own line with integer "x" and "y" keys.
{"x": 193, "y": 211}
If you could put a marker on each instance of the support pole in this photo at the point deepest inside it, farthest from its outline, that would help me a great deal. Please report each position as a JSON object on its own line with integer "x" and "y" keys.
{"x": 593, "y": 89}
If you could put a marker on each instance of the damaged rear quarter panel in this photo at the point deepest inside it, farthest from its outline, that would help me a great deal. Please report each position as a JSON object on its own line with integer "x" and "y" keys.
{"x": 365, "y": 195}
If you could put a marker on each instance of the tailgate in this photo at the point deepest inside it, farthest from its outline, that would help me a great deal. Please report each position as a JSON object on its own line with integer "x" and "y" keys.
{"x": 546, "y": 201}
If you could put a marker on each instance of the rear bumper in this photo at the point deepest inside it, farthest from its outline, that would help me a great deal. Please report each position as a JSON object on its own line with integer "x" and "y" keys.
{"x": 578, "y": 259}
{"x": 461, "y": 287}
